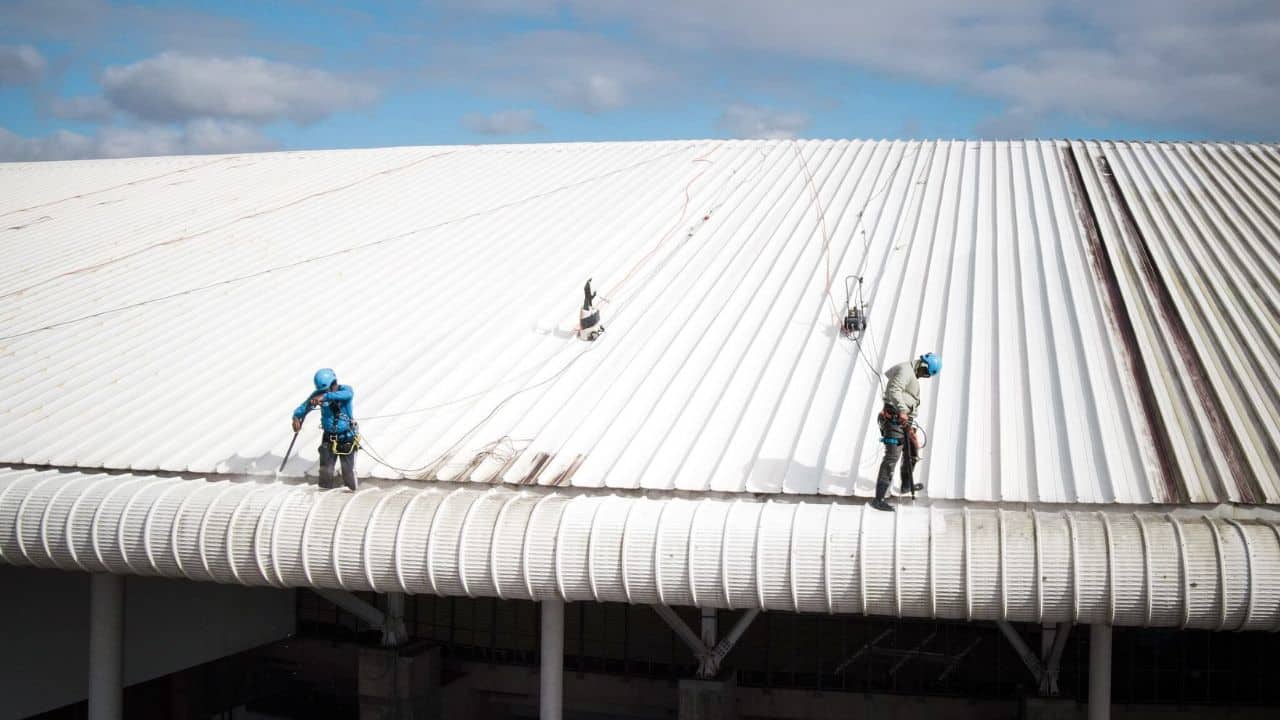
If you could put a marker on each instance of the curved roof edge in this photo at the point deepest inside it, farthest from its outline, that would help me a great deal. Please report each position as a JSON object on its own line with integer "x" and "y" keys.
{"x": 1150, "y": 569}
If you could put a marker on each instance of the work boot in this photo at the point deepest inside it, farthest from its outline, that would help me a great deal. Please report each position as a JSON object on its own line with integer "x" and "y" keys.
{"x": 881, "y": 504}
{"x": 908, "y": 489}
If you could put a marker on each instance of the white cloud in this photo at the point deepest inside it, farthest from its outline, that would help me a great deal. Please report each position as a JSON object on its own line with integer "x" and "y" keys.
{"x": 59, "y": 145}
{"x": 85, "y": 108}
{"x": 21, "y": 65}
{"x": 930, "y": 39}
{"x": 503, "y": 122}
{"x": 592, "y": 92}
{"x": 208, "y": 136}
{"x": 530, "y": 8}
{"x": 1015, "y": 123}
{"x": 753, "y": 121}
{"x": 202, "y": 136}
{"x": 1208, "y": 66}
{"x": 174, "y": 87}
{"x": 576, "y": 71}
{"x": 135, "y": 28}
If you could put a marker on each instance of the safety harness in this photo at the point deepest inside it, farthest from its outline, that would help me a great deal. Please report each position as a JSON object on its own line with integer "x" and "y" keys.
{"x": 339, "y": 447}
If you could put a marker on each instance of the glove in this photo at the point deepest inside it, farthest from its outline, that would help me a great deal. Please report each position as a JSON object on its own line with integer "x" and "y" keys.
{"x": 317, "y": 399}
{"x": 297, "y": 424}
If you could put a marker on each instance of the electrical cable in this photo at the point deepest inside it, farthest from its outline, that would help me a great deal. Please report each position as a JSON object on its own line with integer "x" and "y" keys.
{"x": 925, "y": 440}
{"x": 866, "y": 249}
{"x": 725, "y": 193}
{"x": 721, "y": 198}
{"x": 444, "y": 456}
{"x": 684, "y": 210}
{"x": 335, "y": 253}
{"x": 826, "y": 237}
{"x": 131, "y": 183}
{"x": 183, "y": 238}
{"x": 422, "y": 472}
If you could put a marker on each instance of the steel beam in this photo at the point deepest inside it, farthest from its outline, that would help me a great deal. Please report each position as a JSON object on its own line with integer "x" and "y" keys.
{"x": 955, "y": 661}
{"x": 391, "y": 622}
{"x": 866, "y": 647}
{"x": 723, "y": 648}
{"x": 393, "y": 629}
{"x": 915, "y": 652}
{"x": 710, "y": 631}
{"x": 709, "y": 656}
{"x": 354, "y": 605}
{"x": 1049, "y": 682}
{"x": 686, "y": 635}
{"x": 1045, "y": 668}
{"x": 106, "y": 646}
{"x": 1020, "y": 646}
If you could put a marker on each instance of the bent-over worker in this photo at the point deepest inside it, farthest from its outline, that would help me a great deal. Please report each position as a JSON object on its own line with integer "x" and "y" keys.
{"x": 897, "y": 424}
{"x": 341, "y": 433}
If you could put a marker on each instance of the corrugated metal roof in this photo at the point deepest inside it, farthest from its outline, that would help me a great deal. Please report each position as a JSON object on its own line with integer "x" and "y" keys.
{"x": 168, "y": 313}
{"x": 1193, "y": 232}
{"x": 1120, "y": 568}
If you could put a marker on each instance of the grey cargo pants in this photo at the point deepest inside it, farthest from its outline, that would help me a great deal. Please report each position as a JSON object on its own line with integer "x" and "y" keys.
{"x": 893, "y": 451}
{"x": 327, "y": 461}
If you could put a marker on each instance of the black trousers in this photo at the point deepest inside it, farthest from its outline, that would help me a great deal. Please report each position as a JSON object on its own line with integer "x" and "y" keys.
{"x": 328, "y": 459}
{"x": 893, "y": 451}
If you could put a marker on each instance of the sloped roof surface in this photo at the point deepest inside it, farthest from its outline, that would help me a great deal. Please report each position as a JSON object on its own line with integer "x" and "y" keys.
{"x": 1100, "y": 310}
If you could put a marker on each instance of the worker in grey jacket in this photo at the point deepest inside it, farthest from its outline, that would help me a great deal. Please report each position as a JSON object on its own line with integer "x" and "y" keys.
{"x": 897, "y": 419}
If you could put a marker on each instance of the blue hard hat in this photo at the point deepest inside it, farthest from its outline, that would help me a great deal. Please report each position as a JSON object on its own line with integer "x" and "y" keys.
{"x": 932, "y": 363}
{"x": 324, "y": 378}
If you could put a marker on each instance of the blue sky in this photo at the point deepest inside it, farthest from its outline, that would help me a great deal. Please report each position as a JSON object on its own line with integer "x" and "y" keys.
{"x": 92, "y": 78}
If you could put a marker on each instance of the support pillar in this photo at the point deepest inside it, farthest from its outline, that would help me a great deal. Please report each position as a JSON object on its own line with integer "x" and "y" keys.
{"x": 709, "y": 629}
{"x": 1047, "y": 635}
{"x": 106, "y": 646}
{"x": 393, "y": 629}
{"x": 399, "y": 683}
{"x": 551, "y": 672}
{"x": 1099, "y": 672}
{"x": 707, "y": 699}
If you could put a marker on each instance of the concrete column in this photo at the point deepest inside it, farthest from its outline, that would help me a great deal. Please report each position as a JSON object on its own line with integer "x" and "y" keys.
{"x": 106, "y": 646}
{"x": 1099, "y": 672}
{"x": 551, "y": 673}
{"x": 708, "y": 699}
{"x": 399, "y": 683}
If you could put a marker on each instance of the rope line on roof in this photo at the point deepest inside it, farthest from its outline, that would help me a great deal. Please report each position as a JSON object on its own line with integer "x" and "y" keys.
{"x": 131, "y": 183}
{"x": 343, "y": 251}
{"x": 256, "y": 214}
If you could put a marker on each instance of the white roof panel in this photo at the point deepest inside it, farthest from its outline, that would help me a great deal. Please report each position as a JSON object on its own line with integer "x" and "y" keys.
{"x": 167, "y": 314}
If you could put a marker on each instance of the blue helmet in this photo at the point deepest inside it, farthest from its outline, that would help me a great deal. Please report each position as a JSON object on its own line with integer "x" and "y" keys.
{"x": 932, "y": 363}
{"x": 324, "y": 378}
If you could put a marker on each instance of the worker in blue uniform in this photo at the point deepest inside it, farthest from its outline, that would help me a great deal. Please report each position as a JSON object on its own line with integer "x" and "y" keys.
{"x": 897, "y": 424}
{"x": 341, "y": 438}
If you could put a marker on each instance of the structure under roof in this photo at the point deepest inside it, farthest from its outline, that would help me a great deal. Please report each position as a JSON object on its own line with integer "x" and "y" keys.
{"x": 1108, "y": 315}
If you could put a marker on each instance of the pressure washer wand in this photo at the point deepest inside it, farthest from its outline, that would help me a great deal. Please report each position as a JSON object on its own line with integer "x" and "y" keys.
{"x": 288, "y": 452}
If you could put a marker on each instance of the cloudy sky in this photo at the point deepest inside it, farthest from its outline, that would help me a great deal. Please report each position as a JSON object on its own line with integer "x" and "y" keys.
{"x": 92, "y": 78}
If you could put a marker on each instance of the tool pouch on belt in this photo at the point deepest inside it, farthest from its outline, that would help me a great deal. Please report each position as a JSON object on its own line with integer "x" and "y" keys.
{"x": 913, "y": 441}
{"x": 344, "y": 447}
